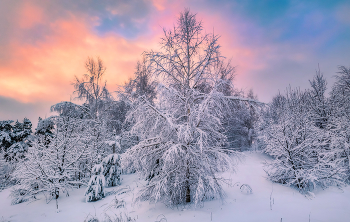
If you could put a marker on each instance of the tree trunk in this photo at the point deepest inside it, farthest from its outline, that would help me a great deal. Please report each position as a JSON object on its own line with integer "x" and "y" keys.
{"x": 188, "y": 194}
{"x": 188, "y": 191}
{"x": 57, "y": 194}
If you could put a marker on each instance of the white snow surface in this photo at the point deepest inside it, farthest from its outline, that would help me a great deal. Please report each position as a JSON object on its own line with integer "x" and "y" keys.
{"x": 268, "y": 202}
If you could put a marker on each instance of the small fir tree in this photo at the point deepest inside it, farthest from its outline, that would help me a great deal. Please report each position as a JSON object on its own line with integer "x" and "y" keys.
{"x": 111, "y": 170}
{"x": 95, "y": 189}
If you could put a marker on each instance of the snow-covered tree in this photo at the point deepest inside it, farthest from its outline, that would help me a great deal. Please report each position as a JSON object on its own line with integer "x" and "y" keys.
{"x": 44, "y": 130}
{"x": 51, "y": 169}
{"x": 239, "y": 122}
{"x": 91, "y": 89}
{"x": 341, "y": 91}
{"x": 339, "y": 125}
{"x": 95, "y": 189}
{"x": 181, "y": 149}
{"x": 5, "y": 135}
{"x": 301, "y": 151}
{"x": 141, "y": 85}
{"x": 318, "y": 103}
{"x": 14, "y": 143}
{"x": 20, "y": 140}
{"x": 99, "y": 110}
{"x": 111, "y": 170}
{"x": 6, "y": 169}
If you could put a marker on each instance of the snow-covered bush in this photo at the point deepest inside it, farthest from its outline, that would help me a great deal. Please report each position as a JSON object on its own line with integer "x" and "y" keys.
{"x": 95, "y": 189}
{"x": 319, "y": 105}
{"x": 239, "y": 123}
{"x": 300, "y": 148}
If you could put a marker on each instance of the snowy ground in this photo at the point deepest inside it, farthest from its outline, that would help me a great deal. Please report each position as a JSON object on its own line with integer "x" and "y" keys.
{"x": 269, "y": 202}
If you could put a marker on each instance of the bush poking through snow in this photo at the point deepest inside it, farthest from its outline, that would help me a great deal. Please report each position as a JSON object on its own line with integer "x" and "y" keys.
{"x": 121, "y": 217}
{"x": 19, "y": 196}
{"x": 115, "y": 212}
{"x": 161, "y": 218}
{"x": 246, "y": 189}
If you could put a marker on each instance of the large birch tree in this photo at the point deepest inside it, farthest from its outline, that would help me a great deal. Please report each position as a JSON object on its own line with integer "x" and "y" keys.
{"x": 181, "y": 149}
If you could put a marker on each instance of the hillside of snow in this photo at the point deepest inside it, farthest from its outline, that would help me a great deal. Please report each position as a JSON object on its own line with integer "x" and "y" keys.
{"x": 268, "y": 202}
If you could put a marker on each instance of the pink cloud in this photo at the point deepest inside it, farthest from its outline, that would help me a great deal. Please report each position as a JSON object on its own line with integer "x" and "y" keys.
{"x": 30, "y": 15}
{"x": 45, "y": 70}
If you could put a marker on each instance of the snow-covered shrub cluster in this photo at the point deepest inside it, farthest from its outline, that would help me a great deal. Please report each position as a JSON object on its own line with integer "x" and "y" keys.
{"x": 51, "y": 168}
{"x": 306, "y": 133}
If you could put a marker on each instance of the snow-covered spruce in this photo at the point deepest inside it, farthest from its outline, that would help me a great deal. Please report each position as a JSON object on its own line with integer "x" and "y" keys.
{"x": 111, "y": 170}
{"x": 15, "y": 139}
{"x": 95, "y": 189}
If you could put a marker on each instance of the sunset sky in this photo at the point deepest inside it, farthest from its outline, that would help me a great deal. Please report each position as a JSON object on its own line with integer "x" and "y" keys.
{"x": 43, "y": 44}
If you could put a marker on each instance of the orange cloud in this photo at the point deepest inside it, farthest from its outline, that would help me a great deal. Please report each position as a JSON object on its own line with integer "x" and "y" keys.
{"x": 44, "y": 71}
{"x": 159, "y": 4}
